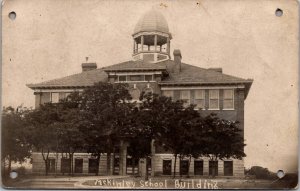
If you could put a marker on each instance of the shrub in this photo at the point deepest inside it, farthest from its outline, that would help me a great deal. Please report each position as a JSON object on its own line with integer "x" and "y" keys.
{"x": 260, "y": 173}
{"x": 21, "y": 170}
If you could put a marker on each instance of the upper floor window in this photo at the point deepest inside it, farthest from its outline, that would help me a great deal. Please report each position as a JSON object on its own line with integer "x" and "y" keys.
{"x": 168, "y": 93}
{"x": 228, "y": 98}
{"x": 148, "y": 77}
{"x": 54, "y": 97}
{"x": 122, "y": 78}
{"x": 200, "y": 99}
{"x": 185, "y": 96}
{"x": 213, "y": 99}
{"x": 135, "y": 78}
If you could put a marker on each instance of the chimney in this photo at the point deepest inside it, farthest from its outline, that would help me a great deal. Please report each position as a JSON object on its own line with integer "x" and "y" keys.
{"x": 216, "y": 70}
{"x": 177, "y": 60}
{"x": 88, "y": 66}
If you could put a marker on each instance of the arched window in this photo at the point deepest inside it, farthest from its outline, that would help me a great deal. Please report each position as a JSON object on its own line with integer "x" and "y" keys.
{"x": 148, "y": 90}
{"x": 135, "y": 94}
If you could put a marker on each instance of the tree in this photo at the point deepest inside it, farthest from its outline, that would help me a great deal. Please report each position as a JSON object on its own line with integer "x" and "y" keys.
{"x": 261, "y": 173}
{"x": 70, "y": 138}
{"x": 104, "y": 111}
{"x": 15, "y": 147}
{"x": 139, "y": 136}
{"x": 42, "y": 130}
{"x": 222, "y": 139}
{"x": 178, "y": 135}
{"x": 169, "y": 123}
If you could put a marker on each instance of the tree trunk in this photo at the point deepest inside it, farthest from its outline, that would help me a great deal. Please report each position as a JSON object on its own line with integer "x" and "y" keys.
{"x": 98, "y": 162}
{"x": 9, "y": 164}
{"x": 108, "y": 162}
{"x": 180, "y": 170}
{"x": 46, "y": 161}
{"x": 214, "y": 170}
{"x": 4, "y": 166}
{"x": 189, "y": 164}
{"x": 108, "y": 156}
{"x": 138, "y": 167}
{"x": 146, "y": 176}
{"x": 174, "y": 171}
{"x": 46, "y": 169}
{"x": 72, "y": 164}
{"x": 133, "y": 165}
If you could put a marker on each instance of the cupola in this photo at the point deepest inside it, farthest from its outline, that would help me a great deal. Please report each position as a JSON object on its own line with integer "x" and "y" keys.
{"x": 151, "y": 38}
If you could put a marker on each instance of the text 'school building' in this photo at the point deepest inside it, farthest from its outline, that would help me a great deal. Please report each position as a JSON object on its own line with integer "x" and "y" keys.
{"x": 152, "y": 69}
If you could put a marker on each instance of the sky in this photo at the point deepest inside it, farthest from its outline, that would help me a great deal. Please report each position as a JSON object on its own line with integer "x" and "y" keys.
{"x": 51, "y": 38}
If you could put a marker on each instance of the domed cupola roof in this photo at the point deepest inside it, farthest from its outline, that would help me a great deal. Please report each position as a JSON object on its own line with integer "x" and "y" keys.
{"x": 152, "y": 21}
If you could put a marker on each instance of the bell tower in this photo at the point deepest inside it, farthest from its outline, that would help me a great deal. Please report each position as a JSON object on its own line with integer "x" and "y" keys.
{"x": 151, "y": 38}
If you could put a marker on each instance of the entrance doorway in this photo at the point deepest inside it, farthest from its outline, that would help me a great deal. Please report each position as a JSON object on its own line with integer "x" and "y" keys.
{"x": 131, "y": 166}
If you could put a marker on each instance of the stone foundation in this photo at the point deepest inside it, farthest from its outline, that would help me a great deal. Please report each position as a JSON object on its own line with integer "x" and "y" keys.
{"x": 38, "y": 165}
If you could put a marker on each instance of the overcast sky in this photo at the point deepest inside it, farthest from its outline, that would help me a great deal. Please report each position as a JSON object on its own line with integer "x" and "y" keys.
{"x": 51, "y": 38}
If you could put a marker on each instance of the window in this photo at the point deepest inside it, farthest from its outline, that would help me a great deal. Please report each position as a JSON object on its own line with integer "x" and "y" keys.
{"x": 65, "y": 165}
{"x": 167, "y": 165}
{"x": 185, "y": 96}
{"x": 148, "y": 90}
{"x": 54, "y": 97}
{"x": 184, "y": 167}
{"x": 148, "y": 77}
{"x": 168, "y": 93}
{"x": 228, "y": 97}
{"x": 198, "y": 167}
{"x": 51, "y": 165}
{"x": 67, "y": 94}
{"x": 122, "y": 78}
{"x": 116, "y": 165}
{"x": 228, "y": 168}
{"x": 131, "y": 166}
{"x": 213, "y": 99}
{"x": 136, "y": 78}
{"x": 78, "y": 165}
{"x": 93, "y": 165}
{"x": 135, "y": 94}
{"x": 200, "y": 99}
{"x": 213, "y": 168}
